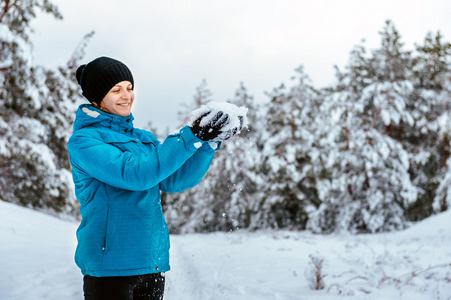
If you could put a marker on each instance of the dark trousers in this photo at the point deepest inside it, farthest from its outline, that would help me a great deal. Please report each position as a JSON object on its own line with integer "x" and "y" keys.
{"x": 140, "y": 287}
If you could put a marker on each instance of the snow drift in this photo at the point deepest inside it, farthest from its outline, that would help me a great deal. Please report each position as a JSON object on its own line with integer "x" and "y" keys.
{"x": 36, "y": 262}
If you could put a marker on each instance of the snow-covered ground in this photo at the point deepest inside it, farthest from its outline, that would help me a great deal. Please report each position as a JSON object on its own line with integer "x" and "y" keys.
{"x": 36, "y": 262}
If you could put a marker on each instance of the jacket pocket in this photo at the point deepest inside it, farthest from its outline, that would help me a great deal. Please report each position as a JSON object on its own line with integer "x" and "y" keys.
{"x": 105, "y": 238}
{"x": 122, "y": 142}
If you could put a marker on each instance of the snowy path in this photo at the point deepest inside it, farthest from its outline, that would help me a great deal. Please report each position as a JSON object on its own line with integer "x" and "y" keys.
{"x": 229, "y": 266}
{"x": 36, "y": 262}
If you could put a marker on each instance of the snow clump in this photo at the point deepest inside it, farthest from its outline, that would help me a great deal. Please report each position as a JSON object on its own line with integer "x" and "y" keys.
{"x": 234, "y": 112}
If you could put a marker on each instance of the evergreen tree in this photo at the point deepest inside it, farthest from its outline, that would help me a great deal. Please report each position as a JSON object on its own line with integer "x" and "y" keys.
{"x": 36, "y": 116}
{"x": 290, "y": 155}
{"x": 368, "y": 154}
{"x": 432, "y": 97}
{"x": 370, "y": 185}
{"x": 230, "y": 190}
{"x": 387, "y": 98}
{"x": 432, "y": 63}
{"x": 225, "y": 199}
{"x": 180, "y": 207}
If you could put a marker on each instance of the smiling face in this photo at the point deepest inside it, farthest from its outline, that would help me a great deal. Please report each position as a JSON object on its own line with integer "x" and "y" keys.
{"x": 119, "y": 99}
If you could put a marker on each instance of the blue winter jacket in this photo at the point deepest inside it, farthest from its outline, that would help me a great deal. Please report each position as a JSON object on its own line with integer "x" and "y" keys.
{"x": 118, "y": 173}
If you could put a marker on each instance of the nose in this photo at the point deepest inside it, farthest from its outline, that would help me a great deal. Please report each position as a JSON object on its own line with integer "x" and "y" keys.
{"x": 126, "y": 95}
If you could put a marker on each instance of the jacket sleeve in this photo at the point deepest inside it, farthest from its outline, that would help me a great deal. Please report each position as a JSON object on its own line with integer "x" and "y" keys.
{"x": 191, "y": 172}
{"x": 127, "y": 170}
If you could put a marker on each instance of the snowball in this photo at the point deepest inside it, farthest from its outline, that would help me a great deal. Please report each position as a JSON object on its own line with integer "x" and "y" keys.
{"x": 212, "y": 108}
{"x": 198, "y": 145}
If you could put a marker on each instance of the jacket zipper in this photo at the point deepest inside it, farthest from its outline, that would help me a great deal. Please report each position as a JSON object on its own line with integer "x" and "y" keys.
{"x": 106, "y": 229}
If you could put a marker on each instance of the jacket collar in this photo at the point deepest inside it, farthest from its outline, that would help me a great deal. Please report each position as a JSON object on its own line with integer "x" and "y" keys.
{"x": 89, "y": 116}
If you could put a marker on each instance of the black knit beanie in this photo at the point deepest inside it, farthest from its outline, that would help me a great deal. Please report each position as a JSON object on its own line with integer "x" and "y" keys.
{"x": 100, "y": 75}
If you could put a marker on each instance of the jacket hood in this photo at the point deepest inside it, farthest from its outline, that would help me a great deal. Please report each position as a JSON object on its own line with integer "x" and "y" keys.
{"x": 89, "y": 116}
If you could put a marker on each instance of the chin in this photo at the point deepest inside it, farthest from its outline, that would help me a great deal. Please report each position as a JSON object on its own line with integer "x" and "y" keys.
{"x": 124, "y": 114}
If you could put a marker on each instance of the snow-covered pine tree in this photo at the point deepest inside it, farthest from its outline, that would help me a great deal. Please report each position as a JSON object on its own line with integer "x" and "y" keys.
{"x": 370, "y": 186}
{"x": 387, "y": 97}
{"x": 36, "y": 115}
{"x": 430, "y": 157}
{"x": 179, "y": 207}
{"x": 290, "y": 155}
{"x": 341, "y": 115}
{"x": 226, "y": 198}
{"x": 230, "y": 191}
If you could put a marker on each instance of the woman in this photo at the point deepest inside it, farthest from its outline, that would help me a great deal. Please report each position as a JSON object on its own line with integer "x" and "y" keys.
{"x": 118, "y": 171}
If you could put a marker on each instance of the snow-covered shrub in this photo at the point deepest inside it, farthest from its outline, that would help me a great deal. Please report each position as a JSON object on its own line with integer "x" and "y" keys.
{"x": 314, "y": 273}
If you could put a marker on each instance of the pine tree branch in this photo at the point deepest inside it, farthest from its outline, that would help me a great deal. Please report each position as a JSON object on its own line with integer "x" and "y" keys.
{"x": 378, "y": 111}
{"x": 7, "y": 8}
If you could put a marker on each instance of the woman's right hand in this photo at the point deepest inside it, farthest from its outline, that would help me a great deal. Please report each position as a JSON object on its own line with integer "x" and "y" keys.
{"x": 207, "y": 127}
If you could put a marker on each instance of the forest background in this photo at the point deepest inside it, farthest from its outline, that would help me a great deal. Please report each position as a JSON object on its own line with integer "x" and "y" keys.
{"x": 368, "y": 153}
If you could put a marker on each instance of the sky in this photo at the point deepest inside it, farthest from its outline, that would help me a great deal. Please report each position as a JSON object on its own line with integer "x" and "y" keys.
{"x": 171, "y": 46}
